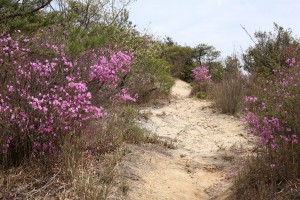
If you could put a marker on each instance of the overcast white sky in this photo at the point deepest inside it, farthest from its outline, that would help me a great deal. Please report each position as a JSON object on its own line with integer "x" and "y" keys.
{"x": 216, "y": 22}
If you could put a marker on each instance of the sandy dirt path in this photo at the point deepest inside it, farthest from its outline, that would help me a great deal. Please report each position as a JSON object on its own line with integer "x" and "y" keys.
{"x": 199, "y": 167}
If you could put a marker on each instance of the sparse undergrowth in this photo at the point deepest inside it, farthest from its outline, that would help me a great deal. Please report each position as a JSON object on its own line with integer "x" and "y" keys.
{"x": 84, "y": 177}
{"x": 257, "y": 180}
{"x": 88, "y": 165}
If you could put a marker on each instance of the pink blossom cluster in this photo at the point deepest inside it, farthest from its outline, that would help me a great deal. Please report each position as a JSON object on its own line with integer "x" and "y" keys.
{"x": 44, "y": 95}
{"x": 265, "y": 128}
{"x": 107, "y": 72}
{"x": 201, "y": 75}
{"x": 108, "y": 68}
{"x": 250, "y": 99}
{"x": 291, "y": 62}
{"x": 124, "y": 96}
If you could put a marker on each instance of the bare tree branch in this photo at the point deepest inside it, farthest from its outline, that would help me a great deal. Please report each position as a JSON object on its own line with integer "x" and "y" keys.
{"x": 115, "y": 17}
{"x": 20, "y": 14}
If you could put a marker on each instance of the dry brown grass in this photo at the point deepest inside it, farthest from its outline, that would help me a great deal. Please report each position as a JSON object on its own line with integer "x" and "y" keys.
{"x": 258, "y": 180}
{"x": 200, "y": 91}
{"x": 228, "y": 94}
{"x": 76, "y": 176}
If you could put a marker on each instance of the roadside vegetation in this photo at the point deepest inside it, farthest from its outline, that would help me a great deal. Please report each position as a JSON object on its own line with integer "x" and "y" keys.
{"x": 69, "y": 96}
{"x": 262, "y": 87}
{"x": 72, "y": 74}
{"x": 272, "y": 114}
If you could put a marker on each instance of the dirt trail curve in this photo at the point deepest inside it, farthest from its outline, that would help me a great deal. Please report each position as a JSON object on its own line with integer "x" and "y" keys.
{"x": 206, "y": 143}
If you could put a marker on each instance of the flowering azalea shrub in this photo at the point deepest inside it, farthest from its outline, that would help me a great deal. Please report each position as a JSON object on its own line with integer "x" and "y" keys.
{"x": 201, "y": 75}
{"x": 202, "y": 79}
{"x": 45, "y": 95}
{"x": 274, "y": 115}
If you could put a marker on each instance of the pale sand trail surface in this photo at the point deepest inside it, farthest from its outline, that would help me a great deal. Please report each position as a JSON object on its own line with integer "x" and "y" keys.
{"x": 206, "y": 143}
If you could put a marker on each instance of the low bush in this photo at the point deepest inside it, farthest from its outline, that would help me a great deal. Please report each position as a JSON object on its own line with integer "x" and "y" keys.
{"x": 150, "y": 79}
{"x": 228, "y": 94}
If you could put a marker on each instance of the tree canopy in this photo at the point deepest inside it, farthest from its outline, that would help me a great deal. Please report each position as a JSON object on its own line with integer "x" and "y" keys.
{"x": 271, "y": 51}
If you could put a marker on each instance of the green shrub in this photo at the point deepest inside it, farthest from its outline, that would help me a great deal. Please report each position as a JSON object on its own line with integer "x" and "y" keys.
{"x": 271, "y": 51}
{"x": 150, "y": 78}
